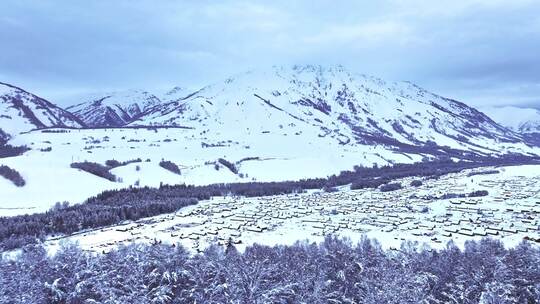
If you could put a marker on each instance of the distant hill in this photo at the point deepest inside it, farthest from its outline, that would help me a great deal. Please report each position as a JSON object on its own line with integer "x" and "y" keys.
{"x": 523, "y": 120}
{"x": 113, "y": 109}
{"x": 21, "y": 111}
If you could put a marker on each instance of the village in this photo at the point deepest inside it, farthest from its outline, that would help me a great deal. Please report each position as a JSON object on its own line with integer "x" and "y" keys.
{"x": 510, "y": 212}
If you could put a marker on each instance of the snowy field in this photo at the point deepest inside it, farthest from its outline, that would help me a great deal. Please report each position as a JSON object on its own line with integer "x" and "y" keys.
{"x": 281, "y": 156}
{"x": 510, "y": 212}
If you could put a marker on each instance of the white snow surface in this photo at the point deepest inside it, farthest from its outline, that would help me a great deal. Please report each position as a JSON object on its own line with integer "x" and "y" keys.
{"x": 49, "y": 178}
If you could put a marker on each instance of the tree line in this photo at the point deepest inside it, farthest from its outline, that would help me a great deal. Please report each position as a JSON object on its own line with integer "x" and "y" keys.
{"x": 13, "y": 175}
{"x": 95, "y": 169}
{"x": 169, "y": 165}
{"x": 333, "y": 271}
{"x": 18, "y": 231}
{"x": 113, "y": 163}
{"x": 7, "y": 150}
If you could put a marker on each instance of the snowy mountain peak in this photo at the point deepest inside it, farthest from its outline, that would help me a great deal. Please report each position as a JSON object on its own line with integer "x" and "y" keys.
{"x": 21, "y": 111}
{"x": 313, "y": 104}
{"x": 113, "y": 109}
{"x": 332, "y": 102}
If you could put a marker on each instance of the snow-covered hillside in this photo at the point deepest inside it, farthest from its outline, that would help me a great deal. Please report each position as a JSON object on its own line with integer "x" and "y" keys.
{"x": 113, "y": 109}
{"x": 273, "y": 157}
{"x": 21, "y": 111}
{"x": 175, "y": 94}
{"x": 266, "y": 125}
{"x": 350, "y": 108}
{"x": 523, "y": 120}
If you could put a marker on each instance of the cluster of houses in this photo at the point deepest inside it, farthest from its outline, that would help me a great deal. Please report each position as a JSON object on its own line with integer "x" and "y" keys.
{"x": 510, "y": 210}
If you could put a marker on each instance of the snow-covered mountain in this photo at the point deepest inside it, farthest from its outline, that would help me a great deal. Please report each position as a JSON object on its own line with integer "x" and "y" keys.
{"x": 353, "y": 109}
{"x": 21, "y": 111}
{"x": 175, "y": 94}
{"x": 522, "y": 120}
{"x": 280, "y": 123}
{"x": 113, "y": 109}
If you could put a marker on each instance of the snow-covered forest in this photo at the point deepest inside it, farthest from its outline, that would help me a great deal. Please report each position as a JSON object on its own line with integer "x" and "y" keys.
{"x": 334, "y": 271}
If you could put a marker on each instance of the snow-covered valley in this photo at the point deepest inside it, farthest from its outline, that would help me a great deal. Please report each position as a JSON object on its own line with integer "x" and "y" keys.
{"x": 258, "y": 152}
{"x": 509, "y": 212}
{"x": 273, "y": 124}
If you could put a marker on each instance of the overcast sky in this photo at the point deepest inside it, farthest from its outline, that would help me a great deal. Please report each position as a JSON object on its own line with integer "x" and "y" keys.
{"x": 482, "y": 52}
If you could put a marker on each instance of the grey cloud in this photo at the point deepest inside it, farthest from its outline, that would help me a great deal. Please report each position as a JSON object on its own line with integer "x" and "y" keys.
{"x": 484, "y": 52}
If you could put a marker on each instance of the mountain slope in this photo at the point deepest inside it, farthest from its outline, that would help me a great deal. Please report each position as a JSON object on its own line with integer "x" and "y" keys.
{"x": 113, "y": 109}
{"x": 21, "y": 111}
{"x": 351, "y": 109}
{"x": 175, "y": 94}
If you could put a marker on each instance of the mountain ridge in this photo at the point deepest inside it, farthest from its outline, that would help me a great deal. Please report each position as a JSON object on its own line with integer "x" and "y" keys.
{"x": 113, "y": 109}
{"x": 22, "y": 111}
{"x": 309, "y": 102}
{"x": 355, "y": 107}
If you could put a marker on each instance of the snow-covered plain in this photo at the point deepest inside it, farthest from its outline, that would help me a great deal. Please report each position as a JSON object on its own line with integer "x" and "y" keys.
{"x": 49, "y": 178}
{"x": 509, "y": 213}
